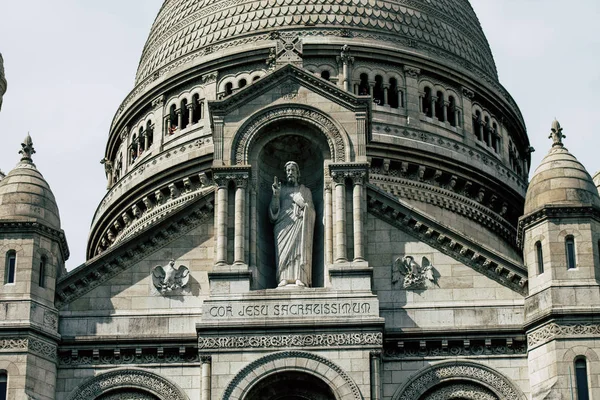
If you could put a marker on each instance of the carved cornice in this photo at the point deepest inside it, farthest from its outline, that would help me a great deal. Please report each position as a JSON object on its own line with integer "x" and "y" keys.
{"x": 239, "y": 174}
{"x": 558, "y": 330}
{"x": 553, "y": 212}
{"x": 129, "y": 356}
{"x": 102, "y": 268}
{"x": 35, "y": 227}
{"x": 459, "y": 370}
{"x": 357, "y": 172}
{"x": 285, "y": 341}
{"x": 419, "y": 349}
{"x": 451, "y": 243}
{"x": 128, "y": 378}
{"x": 424, "y": 192}
{"x": 29, "y": 344}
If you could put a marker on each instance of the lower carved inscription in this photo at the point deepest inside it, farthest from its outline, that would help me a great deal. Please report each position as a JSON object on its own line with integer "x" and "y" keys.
{"x": 274, "y": 341}
{"x": 336, "y": 308}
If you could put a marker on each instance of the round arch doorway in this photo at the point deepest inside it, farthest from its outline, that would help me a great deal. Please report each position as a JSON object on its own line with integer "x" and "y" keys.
{"x": 290, "y": 385}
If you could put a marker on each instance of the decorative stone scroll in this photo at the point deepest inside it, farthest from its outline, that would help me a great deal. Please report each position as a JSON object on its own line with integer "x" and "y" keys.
{"x": 491, "y": 380}
{"x": 554, "y": 330}
{"x": 128, "y": 378}
{"x": 276, "y": 341}
{"x": 292, "y": 361}
{"x": 251, "y": 131}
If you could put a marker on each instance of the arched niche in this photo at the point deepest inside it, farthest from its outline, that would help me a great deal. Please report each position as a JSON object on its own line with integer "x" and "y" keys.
{"x": 290, "y": 385}
{"x": 286, "y": 140}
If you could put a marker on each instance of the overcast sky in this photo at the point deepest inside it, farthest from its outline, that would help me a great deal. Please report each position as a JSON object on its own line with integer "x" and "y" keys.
{"x": 70, "y": 63}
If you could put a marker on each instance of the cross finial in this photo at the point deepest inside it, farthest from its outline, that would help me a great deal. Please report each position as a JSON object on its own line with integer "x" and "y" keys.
{"x": 556, "y": 134}
{"x": 27, "y": 149}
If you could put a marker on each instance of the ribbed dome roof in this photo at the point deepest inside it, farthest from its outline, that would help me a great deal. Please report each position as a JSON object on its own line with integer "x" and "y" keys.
{"x": 446, "y": 30}
{"x": 26, "y": 196}
{"x": 560, "y": 180}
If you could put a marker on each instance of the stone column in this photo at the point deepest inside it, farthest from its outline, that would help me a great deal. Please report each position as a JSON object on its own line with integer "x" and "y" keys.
{"x": 179, "y": 113}
{"x": 357, "y": 215}
{"x": 218, "y": 140}
{"x": 467, "y": 111}
{"x": 399, "y": 94}
{"x": 386, "y": 88}
{"x": 414, "y": 100}
{"x": 445, "y": 108}
{"x": 167, "y": 123}
{"x": 146, "y": 140}
{"x": 239, "y": 240}
{"x": 457, "y": 117}
{"x": 371, "y": 89}
{"x": 340, "y": 217}
{"x": 190, "y": 113}
{"x": 356, "y": 89}
{"x": 159, "y": 125}
{"x": 328, "y": 225}
{"x": 206, "y": 377}
{"x": 375, "y": 357}
{"x": 222, "y": 183}
{"x": 433, "y": 110}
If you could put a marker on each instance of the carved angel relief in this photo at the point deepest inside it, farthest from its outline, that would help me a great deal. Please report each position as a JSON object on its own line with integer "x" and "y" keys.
{"x": 415, "y": 276}
{"x": 168, "y": 278}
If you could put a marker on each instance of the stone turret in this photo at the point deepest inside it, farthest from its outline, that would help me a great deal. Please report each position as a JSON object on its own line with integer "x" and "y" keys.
{"x": 559, "y": 235}
{"x": 34, "y": 252}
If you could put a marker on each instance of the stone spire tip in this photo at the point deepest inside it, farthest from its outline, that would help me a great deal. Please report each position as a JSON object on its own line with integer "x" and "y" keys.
{"x": 27, "y": 149}
{"x": 556, "y": 134}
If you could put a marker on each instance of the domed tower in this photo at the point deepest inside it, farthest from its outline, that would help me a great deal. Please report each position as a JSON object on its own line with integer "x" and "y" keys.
{"x": 294, "y": 188}
{"x": 559, "y": 232}
{"x": 34, "y": 251}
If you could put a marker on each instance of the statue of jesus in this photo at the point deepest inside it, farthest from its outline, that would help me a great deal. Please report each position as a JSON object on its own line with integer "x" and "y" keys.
{"x": 293, "y": 213}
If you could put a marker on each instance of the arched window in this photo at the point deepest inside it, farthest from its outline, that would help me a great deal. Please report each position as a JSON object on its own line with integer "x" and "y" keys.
{"x": 540, "y": 257}
{"x": 570, "y": 249}
{"x": 581, "y": 379}
{"x": 394, "y": 94}
{"x": 427, "y": 103}
{"x": 242, "y": 83}
{"x": 451, "y": 111}
{"x": 363, "y": 87}
{"x": 172, "y": 119}
{"x": 486, "y": 131}
{"x": 3, "y": 385}
{"x": 11, "y": 267}
{"x": 378, "y": 91}
{"x": 142, "y": 143}
{"x": 185, "y": 114}
{"x": 149, "y": 133}
{"x": 494, "y": 133}
{"x": 228, "y": 88}
{"x": 325, "y": 75}
{"x": 477, "y": 124}
{"x": 197, "y": 109}
{"x": 439, "y": 107}
{"x": 42, "y": 280}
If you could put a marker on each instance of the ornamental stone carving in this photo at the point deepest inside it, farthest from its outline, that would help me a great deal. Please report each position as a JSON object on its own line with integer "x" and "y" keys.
{"x": 462, "y": 391}
{"x": 278, "y": 341}
{"x": 415, "y": 276}
{"x": 483, "y": 375}
{"x": 128, "y": 378}
{"x": 554, "y": 330}
{"x": 168, "y": 278}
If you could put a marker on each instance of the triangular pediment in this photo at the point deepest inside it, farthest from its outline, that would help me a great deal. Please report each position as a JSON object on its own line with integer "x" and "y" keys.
{"x": 288, "y": 80}
{"x": 462, "y": 248}
{"x": 121, "y": 256}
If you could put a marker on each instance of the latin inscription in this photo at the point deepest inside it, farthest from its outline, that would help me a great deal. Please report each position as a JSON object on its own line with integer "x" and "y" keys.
{"x": 237, "y": 310}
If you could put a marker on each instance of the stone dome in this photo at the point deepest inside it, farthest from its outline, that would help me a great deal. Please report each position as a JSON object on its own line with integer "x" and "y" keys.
{"x": 25, "y": 196}
{"x": 560, "y": 180}
{"x": 446, "y": 31}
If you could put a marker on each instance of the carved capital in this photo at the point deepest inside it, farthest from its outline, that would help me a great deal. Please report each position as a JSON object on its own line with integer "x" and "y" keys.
{"x": 158, "y": 102}
{"x": 412, "y": 71}
{"x": 468, "y": 93}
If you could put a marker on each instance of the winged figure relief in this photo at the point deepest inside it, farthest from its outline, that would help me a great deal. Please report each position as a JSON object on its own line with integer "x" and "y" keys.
{"x": 415, "y": 276}
{"x": 169, "y": 278}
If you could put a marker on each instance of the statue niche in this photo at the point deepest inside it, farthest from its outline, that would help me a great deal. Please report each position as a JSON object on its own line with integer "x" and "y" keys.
{"x": 286, "y": 255}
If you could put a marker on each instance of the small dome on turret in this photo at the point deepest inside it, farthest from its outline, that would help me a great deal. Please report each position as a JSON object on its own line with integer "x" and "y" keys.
{"x": 560, "y": 180}
{"x": 25, "y": 196}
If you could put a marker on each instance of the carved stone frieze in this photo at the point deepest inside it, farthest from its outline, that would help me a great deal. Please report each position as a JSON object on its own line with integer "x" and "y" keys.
{"x": 466, "y": 391}
{"x": 476, "y": 373}
{"x": 556, "y": 330}
{"x": 127, "y": 378}
{"x": 33, "y": 345}
{"x": 291, "y": 340}
{"x": 129, "y": 356}
{"x": 128, "y": 394}
{"x": 418, "y": 349}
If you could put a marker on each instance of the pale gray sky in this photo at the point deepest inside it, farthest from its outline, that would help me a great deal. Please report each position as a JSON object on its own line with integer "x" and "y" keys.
{"x": 70, "y": 63}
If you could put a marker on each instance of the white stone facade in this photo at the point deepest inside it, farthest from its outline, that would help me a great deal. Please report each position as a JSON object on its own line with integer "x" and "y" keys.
{"x": 436, "y": 272}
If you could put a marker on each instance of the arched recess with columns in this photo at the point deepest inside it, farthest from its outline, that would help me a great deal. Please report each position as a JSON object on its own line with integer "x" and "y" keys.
{"x": 459, "y": 380}
{"x": 121, "y": 383}
{"x": 328, "y": 381}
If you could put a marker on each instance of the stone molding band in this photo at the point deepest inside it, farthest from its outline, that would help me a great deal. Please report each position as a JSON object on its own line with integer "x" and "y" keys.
{"x": 128, "y": 379}
{"x": 277, "y": 341}
{"x": 32, "y": 345}
{"x": 556, "y": 330}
